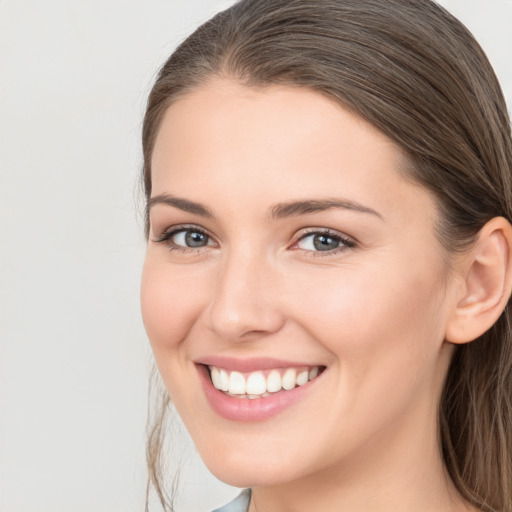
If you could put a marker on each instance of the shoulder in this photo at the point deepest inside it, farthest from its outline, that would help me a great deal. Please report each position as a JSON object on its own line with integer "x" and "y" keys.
{"x": 239, "y": 504}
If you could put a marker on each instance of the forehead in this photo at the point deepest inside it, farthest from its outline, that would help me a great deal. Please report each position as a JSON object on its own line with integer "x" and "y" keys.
{"x": 280, "y": 116}
{"x": 280, "y": 142}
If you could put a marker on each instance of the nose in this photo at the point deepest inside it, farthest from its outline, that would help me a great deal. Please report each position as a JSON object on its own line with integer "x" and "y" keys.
{"x": 245, "y": 302}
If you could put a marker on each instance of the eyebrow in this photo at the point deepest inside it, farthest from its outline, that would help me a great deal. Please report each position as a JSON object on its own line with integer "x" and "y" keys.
{"x": 181, "y": 204}
{"x": 293, "y": 208}
{"x": 278, "y": 211}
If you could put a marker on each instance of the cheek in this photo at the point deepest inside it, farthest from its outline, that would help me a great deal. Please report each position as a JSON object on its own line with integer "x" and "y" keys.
{"x": 382, "y": 320}
{"x": 171, "y": 300}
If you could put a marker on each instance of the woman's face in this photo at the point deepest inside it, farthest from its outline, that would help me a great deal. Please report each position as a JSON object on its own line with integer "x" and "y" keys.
{"x": 284, "y": 242}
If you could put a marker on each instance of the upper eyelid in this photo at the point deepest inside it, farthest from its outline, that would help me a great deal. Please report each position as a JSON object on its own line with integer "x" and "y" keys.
{"x": 324, "y": 231}
{"x": 172, "y": 230}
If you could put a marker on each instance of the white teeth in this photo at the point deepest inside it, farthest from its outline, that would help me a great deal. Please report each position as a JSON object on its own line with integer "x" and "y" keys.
{"x": 289, "y": 379}
{"x": 256, "y": 385}
{"x": 273, "y": 381}
{"x": 214, "y": 372}
{"x": 302, "y": 378}
{"x": 223, "y": 380}
{"x": 236, "y": 384}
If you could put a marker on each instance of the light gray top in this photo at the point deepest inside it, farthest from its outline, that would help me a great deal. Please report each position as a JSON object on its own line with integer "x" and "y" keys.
{"x": 239, "y": 504}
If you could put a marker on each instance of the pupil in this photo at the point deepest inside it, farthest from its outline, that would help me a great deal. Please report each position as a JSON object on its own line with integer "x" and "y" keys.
{"x": 195, "y": 239}
{"x": 325, "y": 243}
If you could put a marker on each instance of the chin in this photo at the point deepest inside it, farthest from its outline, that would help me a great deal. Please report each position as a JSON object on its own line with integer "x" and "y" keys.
{"x": 247, "y": 470}
{"x": 247, "y": 476}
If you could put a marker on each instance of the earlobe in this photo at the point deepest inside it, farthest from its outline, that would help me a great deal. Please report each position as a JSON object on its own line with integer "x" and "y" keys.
{"x": 487, "y": 283}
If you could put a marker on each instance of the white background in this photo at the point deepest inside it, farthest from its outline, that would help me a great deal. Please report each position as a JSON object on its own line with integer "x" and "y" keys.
{"x": 74, "y": 358}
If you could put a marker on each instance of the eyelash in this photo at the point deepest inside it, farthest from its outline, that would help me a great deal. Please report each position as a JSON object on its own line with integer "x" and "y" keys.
{"x": 166, "y": 238}
{"x": 345, "y": 242}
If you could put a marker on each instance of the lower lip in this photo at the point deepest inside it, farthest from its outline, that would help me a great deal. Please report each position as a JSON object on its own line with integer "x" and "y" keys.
{"x": 246, "y": 409}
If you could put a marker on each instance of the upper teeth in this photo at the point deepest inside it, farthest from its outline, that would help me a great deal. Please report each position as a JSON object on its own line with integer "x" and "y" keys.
{"x": 260, "y": 384}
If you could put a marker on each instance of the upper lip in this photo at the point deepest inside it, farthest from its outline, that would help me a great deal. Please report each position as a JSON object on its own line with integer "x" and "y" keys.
{"x": 250, "y": 364}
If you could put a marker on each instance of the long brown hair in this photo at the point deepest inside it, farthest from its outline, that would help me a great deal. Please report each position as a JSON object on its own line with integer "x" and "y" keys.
{"x": 416, "y": 73}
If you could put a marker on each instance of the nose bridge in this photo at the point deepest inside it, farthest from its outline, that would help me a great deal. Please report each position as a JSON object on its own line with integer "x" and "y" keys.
{"x": 244, "y": 301}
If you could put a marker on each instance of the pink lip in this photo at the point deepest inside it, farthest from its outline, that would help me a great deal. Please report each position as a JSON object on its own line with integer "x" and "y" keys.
{"x": 250, "y": 365}
{"x": 247, "y": 410}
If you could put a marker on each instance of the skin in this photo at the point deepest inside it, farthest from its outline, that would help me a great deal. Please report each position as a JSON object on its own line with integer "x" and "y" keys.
{"x": 375, "y": 314}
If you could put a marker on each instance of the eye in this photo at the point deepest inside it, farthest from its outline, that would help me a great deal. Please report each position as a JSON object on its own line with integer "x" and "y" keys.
{"x": 190, "y": 238}
{"x": 185, "y": 238}
{"x": 323, "y": 241}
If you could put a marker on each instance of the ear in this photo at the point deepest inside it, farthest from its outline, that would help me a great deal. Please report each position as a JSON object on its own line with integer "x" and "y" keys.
{"x": 487, "y": 283}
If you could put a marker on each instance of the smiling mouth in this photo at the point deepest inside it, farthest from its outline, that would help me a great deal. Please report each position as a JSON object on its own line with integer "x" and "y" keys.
{"x": 263, "y": 383}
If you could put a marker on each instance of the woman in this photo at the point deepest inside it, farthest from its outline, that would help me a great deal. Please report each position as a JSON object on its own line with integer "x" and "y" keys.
{"x": 329, "y": 263}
